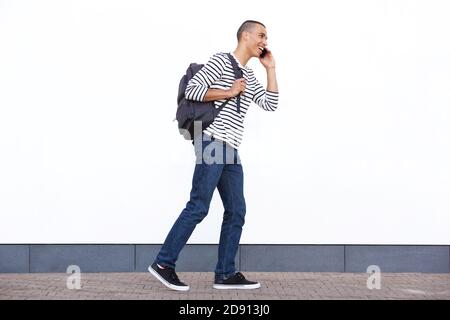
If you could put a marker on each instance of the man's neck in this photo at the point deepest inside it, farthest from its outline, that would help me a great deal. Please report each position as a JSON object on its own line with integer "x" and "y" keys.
{"x": 242, "y": 55}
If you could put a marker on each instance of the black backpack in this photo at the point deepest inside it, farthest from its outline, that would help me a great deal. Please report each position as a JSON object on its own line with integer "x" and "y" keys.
{"x": 190, "y": 111}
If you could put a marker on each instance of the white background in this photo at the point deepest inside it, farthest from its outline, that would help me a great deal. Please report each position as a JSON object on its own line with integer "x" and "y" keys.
{"x": 358, "y": 151}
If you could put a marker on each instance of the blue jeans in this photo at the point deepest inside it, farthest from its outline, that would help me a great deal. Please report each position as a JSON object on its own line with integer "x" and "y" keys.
{"x": 227, "y": 176}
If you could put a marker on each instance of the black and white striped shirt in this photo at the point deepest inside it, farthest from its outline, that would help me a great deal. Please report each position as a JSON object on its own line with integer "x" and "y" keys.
{"x": 218, "y": 73}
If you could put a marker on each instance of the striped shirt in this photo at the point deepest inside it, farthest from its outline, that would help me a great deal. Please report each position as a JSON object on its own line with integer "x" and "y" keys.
{"x": 218, "y": 73}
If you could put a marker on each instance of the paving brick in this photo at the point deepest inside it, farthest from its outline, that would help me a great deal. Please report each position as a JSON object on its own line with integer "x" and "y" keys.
{"x": 274, "y": 285}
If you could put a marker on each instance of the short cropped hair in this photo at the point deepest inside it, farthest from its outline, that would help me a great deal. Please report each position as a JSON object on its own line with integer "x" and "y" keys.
{"x": 247, "y": 26}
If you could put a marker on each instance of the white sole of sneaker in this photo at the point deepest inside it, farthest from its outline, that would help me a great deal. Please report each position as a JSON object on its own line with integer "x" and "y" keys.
{"x": 236, "y": 286}
{"x": 164, "y": 282}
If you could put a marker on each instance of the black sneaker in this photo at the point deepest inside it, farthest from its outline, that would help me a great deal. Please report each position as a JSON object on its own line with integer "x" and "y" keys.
{"x": 168, "y": 277}
{"x": 237, "y": 281}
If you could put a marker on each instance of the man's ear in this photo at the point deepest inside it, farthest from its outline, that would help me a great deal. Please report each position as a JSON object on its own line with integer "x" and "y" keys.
{"x": 245, "y": 35}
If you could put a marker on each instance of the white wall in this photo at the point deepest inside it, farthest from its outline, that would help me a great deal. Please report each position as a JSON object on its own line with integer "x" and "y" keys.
{"x": 357, "y": 153}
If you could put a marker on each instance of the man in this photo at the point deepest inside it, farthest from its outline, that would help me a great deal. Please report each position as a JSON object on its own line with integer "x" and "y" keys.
{"x": 216, "y": 82}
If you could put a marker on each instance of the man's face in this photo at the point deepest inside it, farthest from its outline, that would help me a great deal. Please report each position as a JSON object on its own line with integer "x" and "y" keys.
{"x": 256, "y": 40}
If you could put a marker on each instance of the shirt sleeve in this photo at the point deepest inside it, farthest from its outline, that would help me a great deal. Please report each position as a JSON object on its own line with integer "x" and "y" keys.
{"x": 267, "y": 100}
{"x": 198, "y": 86}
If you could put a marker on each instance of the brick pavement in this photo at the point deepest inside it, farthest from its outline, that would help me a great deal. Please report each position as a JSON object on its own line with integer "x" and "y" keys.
{"x": 274, "y": 285}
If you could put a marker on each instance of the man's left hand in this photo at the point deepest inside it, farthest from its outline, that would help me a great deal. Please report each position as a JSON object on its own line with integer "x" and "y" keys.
{"x": 268, "y": 61}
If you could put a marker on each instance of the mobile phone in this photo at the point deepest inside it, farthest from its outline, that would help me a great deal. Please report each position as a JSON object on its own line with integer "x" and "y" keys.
{"x": 263, "y": 53}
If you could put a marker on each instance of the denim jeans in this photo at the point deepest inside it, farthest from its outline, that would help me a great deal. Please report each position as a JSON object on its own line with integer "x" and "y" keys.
{"x": 226, "y": 174}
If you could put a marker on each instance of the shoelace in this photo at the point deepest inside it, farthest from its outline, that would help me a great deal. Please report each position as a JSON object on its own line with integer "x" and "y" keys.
{"x": 240, "y": 276}
{"x": 174, "y": 276}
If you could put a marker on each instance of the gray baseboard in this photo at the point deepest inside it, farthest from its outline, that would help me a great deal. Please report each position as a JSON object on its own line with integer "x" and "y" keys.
{"x": 25, "y": 258}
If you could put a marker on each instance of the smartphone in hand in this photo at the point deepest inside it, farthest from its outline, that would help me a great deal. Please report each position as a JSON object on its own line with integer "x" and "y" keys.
{"x": 263, "y": 53}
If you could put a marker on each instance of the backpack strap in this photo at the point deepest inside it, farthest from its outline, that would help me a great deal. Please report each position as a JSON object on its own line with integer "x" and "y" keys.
{"x": 237, "y": 74}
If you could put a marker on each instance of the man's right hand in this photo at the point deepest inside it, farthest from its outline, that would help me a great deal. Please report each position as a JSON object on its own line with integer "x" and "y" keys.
{"x": 219, "y": 94}
{"x": 237, "y": 88}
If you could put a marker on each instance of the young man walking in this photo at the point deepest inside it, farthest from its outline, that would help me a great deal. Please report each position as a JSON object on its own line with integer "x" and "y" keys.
{"x": 216, "y": 82}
